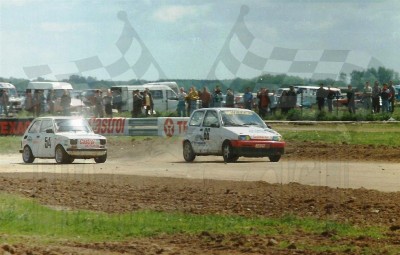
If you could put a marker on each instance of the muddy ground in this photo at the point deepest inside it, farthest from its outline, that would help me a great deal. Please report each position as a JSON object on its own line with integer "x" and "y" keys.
{"x": 251, "y": 199}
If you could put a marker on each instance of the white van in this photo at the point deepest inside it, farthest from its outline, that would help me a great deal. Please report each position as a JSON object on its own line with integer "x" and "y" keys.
{"x": 164, "y": 98}
{"x": 170, "y": 84}
{"x": 58, "y": 87}
{"x": 15, "y": 102}
{"x": 306, "y": 95}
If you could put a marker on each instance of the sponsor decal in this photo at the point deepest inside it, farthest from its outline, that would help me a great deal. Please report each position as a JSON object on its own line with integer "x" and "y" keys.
{"x": 108, "y": 125}
{"x": 14, "y": 126}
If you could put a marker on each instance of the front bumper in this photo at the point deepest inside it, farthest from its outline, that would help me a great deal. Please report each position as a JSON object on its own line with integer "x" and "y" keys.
{"x": 74, "y": 152}
{"x": 257, "y": 148}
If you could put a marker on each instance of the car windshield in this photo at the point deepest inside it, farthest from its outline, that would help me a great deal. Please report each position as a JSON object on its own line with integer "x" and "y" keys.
{"x": 241, "y": 118}
{"x": 72, "y": 125}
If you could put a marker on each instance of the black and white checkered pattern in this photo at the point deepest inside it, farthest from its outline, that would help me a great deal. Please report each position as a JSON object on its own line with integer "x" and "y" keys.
{"x": 243, "y": 55}
{"x": 137, "y": 62}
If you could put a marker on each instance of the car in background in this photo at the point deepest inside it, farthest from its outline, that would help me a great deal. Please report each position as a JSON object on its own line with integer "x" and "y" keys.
{"x": 230, "y": 133}
{"x": 64, "y": 139}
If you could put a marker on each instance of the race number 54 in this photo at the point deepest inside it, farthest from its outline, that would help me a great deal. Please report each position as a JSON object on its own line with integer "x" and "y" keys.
{"x": 47, "y": 142}
{"x": 207, "y": 134}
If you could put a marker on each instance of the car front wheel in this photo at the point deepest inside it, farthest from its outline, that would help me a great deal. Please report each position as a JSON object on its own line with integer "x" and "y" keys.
{"x": 188, "y": 153}
{"x": 27, "y": 155}
{"x": 101, "y": 159}
{"x": 227, "y": 153}
{"x": 61, "y": 156}
{"x": 274, "y": 158}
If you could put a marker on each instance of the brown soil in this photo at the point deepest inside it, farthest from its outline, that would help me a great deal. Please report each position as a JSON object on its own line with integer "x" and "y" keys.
{"x": 116, "y": 194}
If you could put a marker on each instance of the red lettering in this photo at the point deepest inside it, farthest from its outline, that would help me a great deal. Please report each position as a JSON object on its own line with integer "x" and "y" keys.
{"x": 182, "y": 126}
{"x": 3, "y": 128}
{"x": 11, "y": 127}
{"x": 110, "y": 126}
{"x": 103, "y": 128}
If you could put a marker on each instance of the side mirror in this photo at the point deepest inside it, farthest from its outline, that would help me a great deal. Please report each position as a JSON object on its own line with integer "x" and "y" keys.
{"x": 214, "y": 125}
{"x": 49, "y": 131}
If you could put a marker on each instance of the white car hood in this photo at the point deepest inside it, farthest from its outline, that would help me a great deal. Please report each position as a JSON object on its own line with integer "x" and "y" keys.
{"x": 255, "y": 132}
{"x": 73, "y": 135}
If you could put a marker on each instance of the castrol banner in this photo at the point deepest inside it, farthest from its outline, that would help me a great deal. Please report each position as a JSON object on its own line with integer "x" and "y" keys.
{"x": 109, "y": 126}
{"x": 172, "y": 126}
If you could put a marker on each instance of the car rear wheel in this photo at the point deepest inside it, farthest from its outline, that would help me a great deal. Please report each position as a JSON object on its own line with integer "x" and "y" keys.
{"x": 27, "y": 155}
{"x": 227, "y": 153}
{"x": 101, "y": 159}
{"x": 61, "y": 156}
{"x": 188, "y": 153}
{"x": 274, "y": 158}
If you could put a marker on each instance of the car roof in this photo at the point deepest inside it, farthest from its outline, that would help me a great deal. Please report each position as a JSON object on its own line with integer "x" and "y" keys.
{"x": 221, "y": 109}
{"x": 59, "y": 118}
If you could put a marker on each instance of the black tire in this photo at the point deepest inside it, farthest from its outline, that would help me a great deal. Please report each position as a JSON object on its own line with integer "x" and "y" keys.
{"x": 101, "y": 159}
{"x": 61, "y": 156}
{"x": 274, "y": 158}
{"x": 188, "y": 153}
{"x": 227, "y": 153}
{"x": 27, "y": 155}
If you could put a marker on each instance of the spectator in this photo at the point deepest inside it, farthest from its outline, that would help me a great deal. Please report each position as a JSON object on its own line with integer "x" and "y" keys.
{"x": 192, "y": 98}
{"x": 367, "y": 97}
{"x": 66, "y": 103}
{"x": 148, "y": 102}
{"x": 385, "y": 95}
{"x": 181, "y": 108}
{"x": 376, "y": 94}
{"x": 392, "y": 99}
{"x": 292, "y": 98}
{"x": 98, "y": 106}
{"x": 283, "y": 102}
{"x": 321, "y": 94}
{"x": 351, "y": 103}
{"x": 4, "y": 101}
{"x": 137, "y": 104}
{"x": 229, "y": 99}
{"x": 108, "y": 100}
{"x": 248, "y": 99}
{"x": 217, "y": 97}
{"x": 263, "y": 102}
{"x": 37, "y": 102}
{"x": 329, "y": 98}
{"x": 50, "y": 100}
{"x": 205, "y": 97}
{"x": 28, "y": 101}
{"x": 117, "y": 100}
{"x": 272, "y": 102}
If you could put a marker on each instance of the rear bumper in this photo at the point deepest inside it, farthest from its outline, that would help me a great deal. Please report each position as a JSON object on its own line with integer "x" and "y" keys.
{"x": 255, "y": 148}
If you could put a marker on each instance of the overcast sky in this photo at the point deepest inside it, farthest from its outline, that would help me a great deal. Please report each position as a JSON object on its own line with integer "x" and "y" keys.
{"x": 183, "y": 38}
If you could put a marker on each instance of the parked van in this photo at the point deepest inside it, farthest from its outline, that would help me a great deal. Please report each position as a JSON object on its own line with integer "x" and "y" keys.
{"x": 58, "y": 88}
{"x": 170, "y": 84}
{"x": 164, "y": 98}
{"x": 307, "y": 95}
{"x": 15, "y": 102}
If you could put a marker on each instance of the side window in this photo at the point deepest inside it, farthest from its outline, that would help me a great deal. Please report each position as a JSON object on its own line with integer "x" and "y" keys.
{"x": 35, "y": 127}
{"x": 46, "y": 124}
{"x": 211, "y": 119}
{"x": 171, "y": 94}
{"x": 157, "y": 94}
{"x": 197, "y": 118}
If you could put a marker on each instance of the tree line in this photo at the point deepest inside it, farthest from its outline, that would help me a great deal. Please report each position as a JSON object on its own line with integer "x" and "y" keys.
{"x": 356, "y": 78}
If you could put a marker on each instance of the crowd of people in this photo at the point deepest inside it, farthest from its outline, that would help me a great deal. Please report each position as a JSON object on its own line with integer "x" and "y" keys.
{"x": 373, "y": 99}
{"x": 38, "y": 103}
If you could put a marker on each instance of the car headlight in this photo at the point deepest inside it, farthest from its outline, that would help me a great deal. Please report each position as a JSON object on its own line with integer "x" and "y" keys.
{"x": 244, "y": 137}
{"x": 277, "y": 138}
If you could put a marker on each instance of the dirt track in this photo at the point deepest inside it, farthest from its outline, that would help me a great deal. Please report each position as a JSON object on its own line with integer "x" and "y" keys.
{"x": 118, "y": 193}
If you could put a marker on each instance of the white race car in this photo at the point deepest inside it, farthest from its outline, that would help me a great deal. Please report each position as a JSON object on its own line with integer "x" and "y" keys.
{"x": 232, "y": 133}
{"x": 64, "y": 139}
